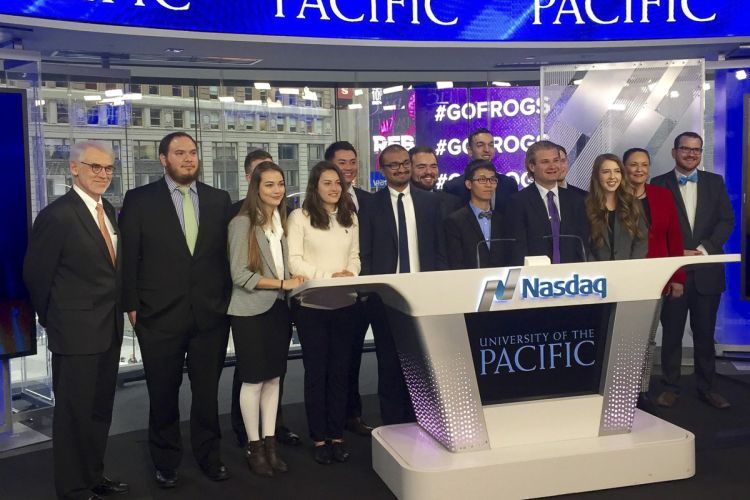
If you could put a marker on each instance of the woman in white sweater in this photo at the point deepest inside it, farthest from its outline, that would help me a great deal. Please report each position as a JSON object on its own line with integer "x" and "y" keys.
{"x": 323, "y": 239}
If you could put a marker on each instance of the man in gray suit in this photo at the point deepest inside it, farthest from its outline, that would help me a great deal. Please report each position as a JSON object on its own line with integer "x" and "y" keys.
{"x": 706, "y": 221}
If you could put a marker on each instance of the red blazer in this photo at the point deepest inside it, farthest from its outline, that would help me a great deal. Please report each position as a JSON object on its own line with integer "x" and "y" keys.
{"x": 664, "y": 235}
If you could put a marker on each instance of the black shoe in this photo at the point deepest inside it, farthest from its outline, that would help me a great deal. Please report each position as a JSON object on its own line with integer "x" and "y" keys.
{"x": 287, "y": 437}
{"x": 94, "y": 497}
{"x": 358, "y": 426}
{"x": 715, "y": 399}
{"x": 323, "y": 454}
{"x": 166, "y": 478}
{"x": 340, "y": 453}
{"x": 217, "y": 472}
{"x": 645, "y": 404}
{"x": 109, "y": 487}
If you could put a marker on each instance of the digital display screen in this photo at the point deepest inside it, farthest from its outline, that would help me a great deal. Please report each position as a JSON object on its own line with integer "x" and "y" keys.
{"x": 527, "y": 354}
{"x": 17, "y": 319}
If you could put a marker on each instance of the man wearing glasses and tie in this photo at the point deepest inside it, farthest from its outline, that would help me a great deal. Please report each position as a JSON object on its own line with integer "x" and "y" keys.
{"x": 72, "y": 270}
{"x": 706, "y": 221}
{"x": 400, "y": 233}
{"x": 469, "y": 229}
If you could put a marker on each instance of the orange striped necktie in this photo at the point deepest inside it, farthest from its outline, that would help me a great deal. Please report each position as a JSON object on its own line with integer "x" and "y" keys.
{"x": 105, "y": 232}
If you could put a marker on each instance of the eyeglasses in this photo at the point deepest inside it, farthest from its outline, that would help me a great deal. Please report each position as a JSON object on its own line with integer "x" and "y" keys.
{"x": 485, "y": 180}
{"x": 685, "y": 150}
{"x": 97, "y": 169}
{"x": 397, "y": 165}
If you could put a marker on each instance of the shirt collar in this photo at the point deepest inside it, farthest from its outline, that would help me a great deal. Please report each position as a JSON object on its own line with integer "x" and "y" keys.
{"x": 406, "y": 192}
{"x": 543, "y": 190}
{"x": 476, "y": 210}
{"x": 172, "y": 185}
{"x": 87, "y": 199}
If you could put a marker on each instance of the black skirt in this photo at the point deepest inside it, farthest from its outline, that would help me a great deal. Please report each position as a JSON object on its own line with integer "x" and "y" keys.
{"x": 261, "y": 343}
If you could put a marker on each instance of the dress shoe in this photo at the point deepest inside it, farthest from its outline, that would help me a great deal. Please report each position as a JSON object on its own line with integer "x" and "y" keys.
{"x": 323, "y": 454}
{"x": 340, "y": 452}
{"x": 109, "y": 487}
{"x": 646, "y": 404}
{"x": 166, "y": 478}
{"x": 715, "y": 399}
{"x": 358, "y": 426}
{"x": 256, "y": 458}
{"x": 276, "y": 463}
{"x": 667, "y": 399}
{"x": 94, "y": 497}
{"x": 217, "y": 472}
{"x": 287, "y": 437}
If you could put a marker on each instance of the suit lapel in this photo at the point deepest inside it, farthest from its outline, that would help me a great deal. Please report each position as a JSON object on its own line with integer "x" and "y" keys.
{"x": 265, "y": 250}
{"x": 539, "y": 209}
{"x": 203, "y": 208}
{"x": 83, "y": 214}
{"x": 671, "y": 182}
{"x": 473, "y": 224}
{"x": 387, "y": 207}
{"x": 167, "y": 207}
{"x": 703, "y": 200}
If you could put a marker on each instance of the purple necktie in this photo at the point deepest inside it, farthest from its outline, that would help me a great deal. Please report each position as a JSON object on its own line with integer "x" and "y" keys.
{"x": 554, "y": 220}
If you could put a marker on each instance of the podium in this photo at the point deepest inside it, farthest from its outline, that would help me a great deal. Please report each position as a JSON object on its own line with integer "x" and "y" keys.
{"x": 524, "y": 380}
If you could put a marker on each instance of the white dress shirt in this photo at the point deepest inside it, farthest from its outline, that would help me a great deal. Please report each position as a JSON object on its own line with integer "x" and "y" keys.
{"x": 411, "y": 226}
{"x": 274, "y": 234}
{"x": 91, "y": 205}
{"x": 689, "y": 193}
{"x": 543, "y": 193}
{"x": 353, "y": 194}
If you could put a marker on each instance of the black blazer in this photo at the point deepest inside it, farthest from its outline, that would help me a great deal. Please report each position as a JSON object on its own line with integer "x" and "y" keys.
{"x": 526, "y": 221}
{"x": 714, "y": 221}
{"x": 166, "y": 285}
{"x": 73, "y": 284}
{"x": 506, "y": 187}
{"x": 379, "y": 238}
{"x": 463, "y": 237}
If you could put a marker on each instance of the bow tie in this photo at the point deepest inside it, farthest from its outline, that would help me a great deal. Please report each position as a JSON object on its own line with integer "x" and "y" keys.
{"x": 684, "y": 179}
{"x": 485, "y": 215}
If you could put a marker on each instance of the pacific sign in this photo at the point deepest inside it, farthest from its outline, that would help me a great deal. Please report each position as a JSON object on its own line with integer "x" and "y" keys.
{"x": 409, "y": 20}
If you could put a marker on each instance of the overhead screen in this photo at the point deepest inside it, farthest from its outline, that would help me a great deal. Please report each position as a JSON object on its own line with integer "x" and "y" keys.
{"x": 17, "y": 323}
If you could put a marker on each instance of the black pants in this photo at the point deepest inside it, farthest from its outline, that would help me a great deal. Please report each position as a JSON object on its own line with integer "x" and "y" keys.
{"x": 326, "y": 347}
{"x": 395, "y": 403}
{"x": 361, "y": 324}
{"x": 164, "y": 357}
{"x": 238, "y": 425}
{"x": 703, "y": 310}
{"x": 84, "y": 388}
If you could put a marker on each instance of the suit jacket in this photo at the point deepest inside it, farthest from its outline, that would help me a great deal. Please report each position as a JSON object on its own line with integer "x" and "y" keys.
{"x": 506, "y": 187}
{"x": 379, "y": 236}
{"x": 528, "y": 223}
{"x": 69, "y": 274}
{"x": 625, "y": 246}
{"x": 576, "y": 190}
{"x": 247, "y": 300}
{"x": 664, "y": 234}
{"x": 714, "y": 221}
{"x": 162, "y": 281}
{"x": 464, "y": 238}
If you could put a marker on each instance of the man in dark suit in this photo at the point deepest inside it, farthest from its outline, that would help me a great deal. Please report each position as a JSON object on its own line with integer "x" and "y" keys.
{"x": 481, "y": 146}
{"x": 343, "y": 155}
{"x": 706, "y": 221}
{"x": 176, "y": 288}
{"x": 424, "y": 175}
{"x": 468, "y": 229}
{"x": 401, "y": 233}
{"x": 544, "y": 219}
{"x": 561, "y": 182}
{"x": 72, "y": 271}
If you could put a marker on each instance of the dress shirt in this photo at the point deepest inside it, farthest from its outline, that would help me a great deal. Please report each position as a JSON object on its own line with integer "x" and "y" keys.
{"x": 689, "y": 193}
{"x": 411, "y": 226}
{"x": 543, "y": 192}
{"x": 177, "y": 200}
{"x": 485, "y": 224}
{"x": 91, "y": 205}
{"x": 353, "y": 194}
{"x": 274, "y": 233}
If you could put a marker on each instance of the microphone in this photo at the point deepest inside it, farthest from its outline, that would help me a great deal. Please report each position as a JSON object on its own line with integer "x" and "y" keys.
{"x": 574, "y": 236}
{"x": 488, "y": 242}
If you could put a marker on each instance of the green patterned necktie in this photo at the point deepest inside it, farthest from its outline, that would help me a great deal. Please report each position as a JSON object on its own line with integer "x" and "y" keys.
{"x": 188, "y": 214}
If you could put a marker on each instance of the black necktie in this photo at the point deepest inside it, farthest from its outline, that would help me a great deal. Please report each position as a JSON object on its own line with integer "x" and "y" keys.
{"x": 403, "y": 237}
{"x": 485, "y": 215}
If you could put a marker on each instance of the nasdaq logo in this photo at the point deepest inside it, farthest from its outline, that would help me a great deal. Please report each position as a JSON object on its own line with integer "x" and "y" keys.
{"x": 499, "y": 290}
{"x": 536, "y": 288}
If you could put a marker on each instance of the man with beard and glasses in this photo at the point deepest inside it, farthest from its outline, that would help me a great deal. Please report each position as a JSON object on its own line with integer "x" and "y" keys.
{"x": 424, "y": 175}
{"x": 176, "y": 289}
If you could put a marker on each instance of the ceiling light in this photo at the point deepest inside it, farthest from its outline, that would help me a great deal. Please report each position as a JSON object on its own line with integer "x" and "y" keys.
{"x": 40, "y": 102}
{"x": 707, "y": 86}
{"x": 358, "y": 92}
{"x": 391, "y": 90}
{"x": 118, "y": 102}
{"x": 578, "y": 82}
{"x": 740, "y": 74}
{"x": 262, "y": 85}
{"x": 92, "y": 98}
{"x": 253, "y": 102}
{"x": 355, "y": 106}
{"x": 389, "y": 107}
{"x": 309, "y": 95}
{"x": 173, "y": 50}
{"x": 674, "y": 94}
{"x": 288, "y": 91}
{"x": 444, "y": 85}
{"x": 501, "y": 84}
{"x": 136, "y": 96}
{"x": 226, "y": 98}
{"x": 113, "y": 93}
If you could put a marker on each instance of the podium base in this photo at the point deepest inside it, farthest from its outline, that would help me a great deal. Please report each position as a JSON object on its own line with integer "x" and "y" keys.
{"x": 415, "y": 466}
{"x": 21, "y": 436}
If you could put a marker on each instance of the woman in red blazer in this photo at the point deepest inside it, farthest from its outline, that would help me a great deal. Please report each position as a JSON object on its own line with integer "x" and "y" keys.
{"x": 664, "y": 240}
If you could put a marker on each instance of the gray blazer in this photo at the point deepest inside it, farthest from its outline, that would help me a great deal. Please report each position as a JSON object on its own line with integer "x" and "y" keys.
{"x": 625, "y": 247}
{"x": 246, "y": 299}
